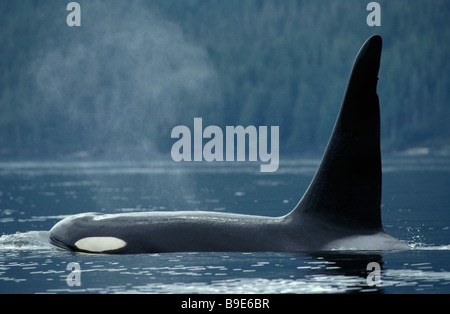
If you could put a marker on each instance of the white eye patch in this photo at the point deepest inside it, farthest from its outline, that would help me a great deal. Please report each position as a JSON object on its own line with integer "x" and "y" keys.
{"x": 100, "y": 244}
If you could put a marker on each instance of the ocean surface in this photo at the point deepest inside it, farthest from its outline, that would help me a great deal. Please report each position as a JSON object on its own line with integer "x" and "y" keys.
{"x": 36, "y": 195}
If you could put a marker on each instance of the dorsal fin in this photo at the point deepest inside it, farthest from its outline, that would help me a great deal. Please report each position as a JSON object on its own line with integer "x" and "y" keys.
{"x": 346, "y": 190}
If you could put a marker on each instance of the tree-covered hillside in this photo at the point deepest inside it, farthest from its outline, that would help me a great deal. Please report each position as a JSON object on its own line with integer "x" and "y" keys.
{"x": 135, "y": 69}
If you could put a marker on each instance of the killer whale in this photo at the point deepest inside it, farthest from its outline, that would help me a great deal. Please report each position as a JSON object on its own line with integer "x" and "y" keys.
{"x": 340, "y": 210}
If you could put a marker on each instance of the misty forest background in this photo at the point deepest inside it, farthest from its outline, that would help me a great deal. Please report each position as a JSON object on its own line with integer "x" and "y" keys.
{"x": 117, "y": 85}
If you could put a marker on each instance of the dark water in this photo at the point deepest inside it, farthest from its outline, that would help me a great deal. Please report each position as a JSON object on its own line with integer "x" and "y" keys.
{"x": 35, "y": 195}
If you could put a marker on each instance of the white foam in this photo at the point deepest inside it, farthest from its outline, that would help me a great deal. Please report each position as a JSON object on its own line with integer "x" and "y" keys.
{"x": 422, "y": 247}
{"x": 31, "y": 240}
{"x": 377, "y": 242}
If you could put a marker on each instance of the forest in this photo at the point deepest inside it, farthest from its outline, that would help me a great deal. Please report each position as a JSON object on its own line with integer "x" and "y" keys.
{"x": 117, "y": 85}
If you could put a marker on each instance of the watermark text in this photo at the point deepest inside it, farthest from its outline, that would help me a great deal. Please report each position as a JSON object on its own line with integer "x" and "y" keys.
{"x": 235, "y": 144}
{"x": 74, "y": 278}
{"x": 374, "y": 277}
{"x": 374, "y": 17}
{"x": 74, "y": 17}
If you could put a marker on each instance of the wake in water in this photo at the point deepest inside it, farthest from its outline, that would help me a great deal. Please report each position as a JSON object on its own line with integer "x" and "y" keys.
{"x": 32, "y": 241}
{"x": 425, "y": 247}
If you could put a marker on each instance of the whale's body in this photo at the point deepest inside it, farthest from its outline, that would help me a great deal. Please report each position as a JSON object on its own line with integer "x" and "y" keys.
{"x": 339, "y": 211}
